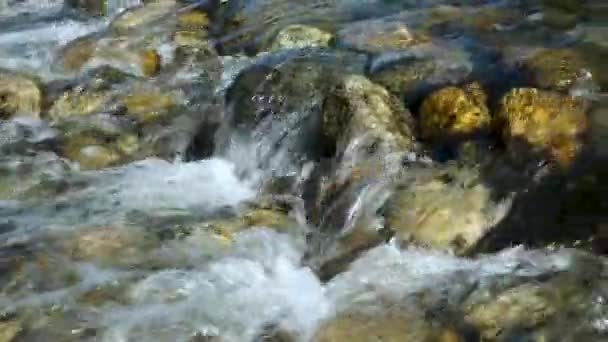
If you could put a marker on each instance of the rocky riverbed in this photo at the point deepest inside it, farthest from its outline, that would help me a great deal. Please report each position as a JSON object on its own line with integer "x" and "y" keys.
{"x": 280, "y": 170}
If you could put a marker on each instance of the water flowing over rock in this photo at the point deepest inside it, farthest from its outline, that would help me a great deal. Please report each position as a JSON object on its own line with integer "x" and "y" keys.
{"x": 289, "y": 171}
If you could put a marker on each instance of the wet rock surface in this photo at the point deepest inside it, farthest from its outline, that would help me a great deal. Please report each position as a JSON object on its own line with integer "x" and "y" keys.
{"x": 275, "y": 170}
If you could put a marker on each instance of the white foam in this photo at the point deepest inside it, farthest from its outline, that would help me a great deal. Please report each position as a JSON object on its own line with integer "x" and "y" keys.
{"x": 33, "y": 50}
{"x": 258, "y": 283}
{"x": 154, "y": 183}
{"x": 388, "y": 272}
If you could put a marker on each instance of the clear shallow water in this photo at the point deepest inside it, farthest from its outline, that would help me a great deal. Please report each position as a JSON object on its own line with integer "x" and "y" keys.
{"x": 205, "y": 283}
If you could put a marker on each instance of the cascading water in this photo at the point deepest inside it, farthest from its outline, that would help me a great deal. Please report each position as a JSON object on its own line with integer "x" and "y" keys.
{"x": 247, "y": 226}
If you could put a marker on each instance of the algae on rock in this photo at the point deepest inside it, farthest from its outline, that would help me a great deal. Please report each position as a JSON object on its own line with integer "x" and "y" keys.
{"x": 547, "y": 121}
{"x": 454, "y": 111}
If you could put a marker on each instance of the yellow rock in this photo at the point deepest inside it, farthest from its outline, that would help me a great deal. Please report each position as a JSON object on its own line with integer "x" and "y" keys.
{"x": 77, "y": 102}
{"x": 193, "y": 20}
{"x": 9, "y": 330}
{"x": 108, "y": 244}
{"x": 19, "y": 95}
{"x": 149, "y": 62}
{"x": 148, "y": 105}
{"x": 449, "y": 335}
{"x": 266, "y": 218}
{"x": 144, "y": 15}
{"x": 364, "y": 328}
{"x": 546, "y": 120}
{"x": 449, "y": 210}
{"x": 300, "y": 36}
{"x": 191, "y": 39}
{"x": 89, "y": 152}
{"x": 127, "y": 144}
{"x": 527, "y": 305}
{"x": 454, "y": 111}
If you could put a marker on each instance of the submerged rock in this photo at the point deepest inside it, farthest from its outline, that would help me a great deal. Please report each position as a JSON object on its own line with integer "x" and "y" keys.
{"x": 95, "y": 149}
{"x": 109, "y": 245}
{"x": 78, "y": 52}
{"x": 525, "y": 306}
{"x": 376, "y": 36}
{"x": 454, "y": 112}
{"x": 562, "y": 14}
{"x": 390, "y": 327}
{"x": 19, "y": 96}
{"x": 300, "y": 36}
{"x": 448, "y": 209}
{"x": 101, "y": 7}
{"x": 148, "y": 105}
{"x": 557, "y": 69}
{"x": 546, "y": 121}
{"x": 142, "y": 16}
{"x": 557, "y": 306}
{"x": 129, "y": 54}
{"x": 9, "y": 330}
{"x": 193, "y": 20}
{"x": 90, "y": 153}
{"x": 78, "y": 102}
{"x": 415, "y": 72}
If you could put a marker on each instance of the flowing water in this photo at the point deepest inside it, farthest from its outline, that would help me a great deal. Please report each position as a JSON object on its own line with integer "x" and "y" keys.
{"x": 138, "y": 251}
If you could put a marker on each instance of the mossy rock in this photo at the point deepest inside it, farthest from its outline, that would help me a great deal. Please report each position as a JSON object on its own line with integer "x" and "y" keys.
{"x": 77, "y": 102}
{"x": 193, "y": 20}
{"x": 148, "y": 105}
{"x": 20, "y": 95}
{"x": 527, "y": 306}
{"x": 544, "y": 121}
{"x": 95, "y": 150}
{"x": 454, "y": 112}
